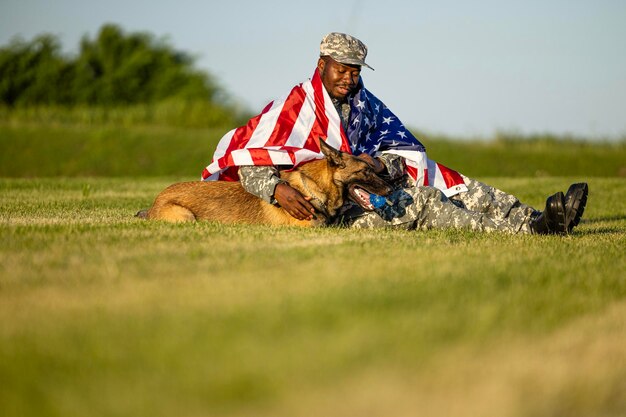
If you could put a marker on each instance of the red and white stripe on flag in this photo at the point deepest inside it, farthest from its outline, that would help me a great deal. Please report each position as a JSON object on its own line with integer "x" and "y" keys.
{"x": 285, "y": 133}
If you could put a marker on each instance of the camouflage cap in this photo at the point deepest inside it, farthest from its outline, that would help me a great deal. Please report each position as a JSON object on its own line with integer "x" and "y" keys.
{"x": 344, "y": 48}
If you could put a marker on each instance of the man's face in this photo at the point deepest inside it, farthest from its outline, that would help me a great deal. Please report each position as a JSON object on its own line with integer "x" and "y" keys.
{"x": 339, "y": 79}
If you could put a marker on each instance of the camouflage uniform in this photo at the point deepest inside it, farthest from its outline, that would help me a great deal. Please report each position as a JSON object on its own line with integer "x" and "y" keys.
{"x": 481, "y": 208}
{"x": 260, "y": 181}
{"x": 344, "y": 48}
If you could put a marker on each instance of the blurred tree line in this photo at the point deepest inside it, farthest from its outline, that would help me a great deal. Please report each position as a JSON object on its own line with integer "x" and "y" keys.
{"x": 113, "y": 70}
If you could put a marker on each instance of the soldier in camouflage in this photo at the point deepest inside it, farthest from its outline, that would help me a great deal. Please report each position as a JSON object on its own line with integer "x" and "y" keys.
{"x": 480, "y": 208}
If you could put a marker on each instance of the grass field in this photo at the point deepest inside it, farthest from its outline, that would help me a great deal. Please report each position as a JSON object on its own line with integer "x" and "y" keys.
{"x": 43, "y": 150}
{"x": 102, "y": 314}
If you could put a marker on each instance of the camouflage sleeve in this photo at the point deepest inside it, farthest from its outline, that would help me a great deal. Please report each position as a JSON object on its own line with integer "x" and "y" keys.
{"x": 394, "y": 165}
{"x": 260, "y": 181}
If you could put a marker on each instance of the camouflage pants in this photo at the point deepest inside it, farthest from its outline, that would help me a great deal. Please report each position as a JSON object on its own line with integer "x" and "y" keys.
{"x": 481, "y": 208}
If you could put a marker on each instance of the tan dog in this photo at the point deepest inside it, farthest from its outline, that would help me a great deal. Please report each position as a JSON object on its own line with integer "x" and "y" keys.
{"x": 327, "y": 181}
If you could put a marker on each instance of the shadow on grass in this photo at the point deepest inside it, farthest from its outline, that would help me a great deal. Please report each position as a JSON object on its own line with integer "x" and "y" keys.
{"x": 604, "y": 219}
{"x": 600, "y": 231}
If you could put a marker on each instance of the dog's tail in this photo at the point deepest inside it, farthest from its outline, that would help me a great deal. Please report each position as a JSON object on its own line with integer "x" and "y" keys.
{"x": 142, "y": 214}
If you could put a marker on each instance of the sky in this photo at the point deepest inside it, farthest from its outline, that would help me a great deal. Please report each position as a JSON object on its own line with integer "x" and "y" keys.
{"x": 458, "y": 68}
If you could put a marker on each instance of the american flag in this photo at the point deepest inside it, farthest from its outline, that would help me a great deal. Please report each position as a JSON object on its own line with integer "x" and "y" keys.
{"x": 288, "y": 129}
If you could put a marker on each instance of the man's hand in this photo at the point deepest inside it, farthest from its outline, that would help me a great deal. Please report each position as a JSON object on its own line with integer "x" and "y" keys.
{"x": 374, "y": 162}
{"x": 293, "y": 202}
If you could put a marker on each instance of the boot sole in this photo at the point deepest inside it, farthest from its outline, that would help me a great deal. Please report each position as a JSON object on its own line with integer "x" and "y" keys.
{"x": 575, "y": 204}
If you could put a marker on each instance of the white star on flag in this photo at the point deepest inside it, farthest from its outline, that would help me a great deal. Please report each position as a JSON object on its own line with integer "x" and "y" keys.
{"x": 387, "y": 120}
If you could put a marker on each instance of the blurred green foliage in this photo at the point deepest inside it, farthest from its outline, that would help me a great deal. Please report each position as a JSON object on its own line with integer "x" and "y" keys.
{"x": 113, "y": 69}
{"x": 116, "y": 78}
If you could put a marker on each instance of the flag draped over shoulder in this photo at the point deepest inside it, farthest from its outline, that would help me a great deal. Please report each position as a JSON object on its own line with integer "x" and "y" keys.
{"x": 285, "y": 133}
{"x": 374, "y": 129}
{"x": 288, "y": 129}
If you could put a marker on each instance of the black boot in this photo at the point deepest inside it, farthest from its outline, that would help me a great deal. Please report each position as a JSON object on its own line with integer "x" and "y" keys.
{"x": 575, "y": 202}
{"x": 552, "y": 220}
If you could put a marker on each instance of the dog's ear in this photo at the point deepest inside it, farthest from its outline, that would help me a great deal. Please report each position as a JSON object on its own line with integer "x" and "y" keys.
{"x": 333, "y": 156}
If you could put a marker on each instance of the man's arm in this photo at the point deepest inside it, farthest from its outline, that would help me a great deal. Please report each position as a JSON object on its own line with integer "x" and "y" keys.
{"x": 395, "y": 166}
{"x": 260, "y": 181}
{"x": 388, "y": 166}
{"x": 264, "y": 182}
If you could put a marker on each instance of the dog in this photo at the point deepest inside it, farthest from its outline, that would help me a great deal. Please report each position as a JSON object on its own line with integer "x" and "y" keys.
{"x": 329, "y": 182}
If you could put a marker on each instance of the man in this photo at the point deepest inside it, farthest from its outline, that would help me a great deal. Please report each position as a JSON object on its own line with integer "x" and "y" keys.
{"x": 336, "y": 106}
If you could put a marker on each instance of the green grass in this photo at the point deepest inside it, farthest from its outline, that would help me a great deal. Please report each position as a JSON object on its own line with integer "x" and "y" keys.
{"x": 537, "y": 156}
{"x": 173, "y": 112}
{"x": 42, "y": 151}
{"x": 50, "y": 149}
{"x": 103, "y": 314}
